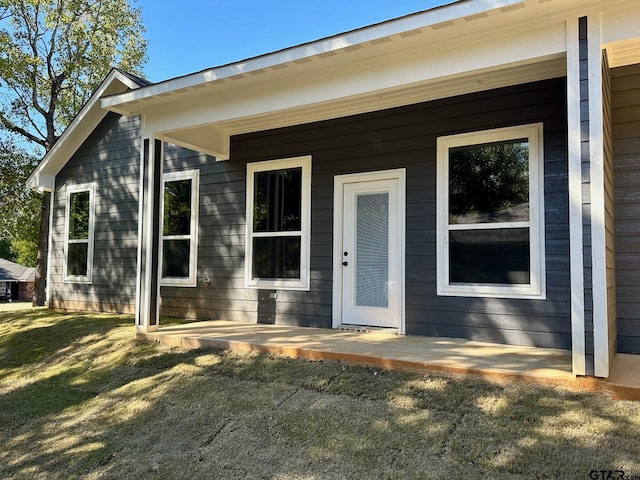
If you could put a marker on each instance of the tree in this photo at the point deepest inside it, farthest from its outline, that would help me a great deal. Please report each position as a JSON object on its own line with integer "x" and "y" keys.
{"x": 53, "y": 54}
{"x": 19, "y": 207}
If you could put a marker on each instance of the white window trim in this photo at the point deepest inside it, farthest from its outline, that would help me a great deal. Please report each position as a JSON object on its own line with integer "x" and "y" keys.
{"x": 77, "y": 188}
{"x": 192, "y": 279}
{"x": 298, "y": 284}
{"x": 537, "y": 287}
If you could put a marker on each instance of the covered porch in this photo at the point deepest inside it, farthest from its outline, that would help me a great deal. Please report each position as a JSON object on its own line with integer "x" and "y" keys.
{"x": 465, "y": 48}
{"x": 379, "y": 349}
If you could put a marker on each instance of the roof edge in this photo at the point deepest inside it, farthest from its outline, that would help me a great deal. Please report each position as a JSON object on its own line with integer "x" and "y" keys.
{"x": 425, "y": 18}
{"x": 43, "y": 176}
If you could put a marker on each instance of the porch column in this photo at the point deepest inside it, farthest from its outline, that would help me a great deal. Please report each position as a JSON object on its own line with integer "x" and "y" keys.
{"x": 590, "y": 214}
{"x": 148, "y": 283}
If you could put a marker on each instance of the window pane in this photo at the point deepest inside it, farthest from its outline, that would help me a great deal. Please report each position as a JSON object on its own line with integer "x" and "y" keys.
{"x": 276, "y": 257}
{"x": 77, "y": 259}
{"x": 499, "y": 256}
{"x": 79, "y": 216}
{"x": 177, "y": 208}
{"x": 489, "y": 183}
{"x": 175, "y": 258}
{"x": 277, "y": 200}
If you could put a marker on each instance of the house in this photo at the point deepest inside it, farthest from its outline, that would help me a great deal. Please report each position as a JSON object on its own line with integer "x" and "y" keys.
{"x": 468, "y": 171}
{"x": 16, "y": 282}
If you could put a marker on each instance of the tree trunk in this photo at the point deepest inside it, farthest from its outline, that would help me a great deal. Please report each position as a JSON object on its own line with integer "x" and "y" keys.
{"x": 40, "y": 289}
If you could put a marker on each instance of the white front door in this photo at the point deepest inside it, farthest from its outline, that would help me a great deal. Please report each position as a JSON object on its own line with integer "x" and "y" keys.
{"x": 369, "y": 249}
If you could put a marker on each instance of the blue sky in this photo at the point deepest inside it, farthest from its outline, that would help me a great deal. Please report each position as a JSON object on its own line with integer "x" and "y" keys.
{"x": 185, "y": 36}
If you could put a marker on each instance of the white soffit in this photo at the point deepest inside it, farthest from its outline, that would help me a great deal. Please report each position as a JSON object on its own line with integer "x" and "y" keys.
{"x": 207, "y": 137}
{"x": 621, "y": 36}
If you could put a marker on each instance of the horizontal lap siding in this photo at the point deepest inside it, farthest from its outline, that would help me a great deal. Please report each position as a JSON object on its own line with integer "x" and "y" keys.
{"x": 110, "y": 157}
{"x": 403, "y": 137}
{"x": 220, "y": 292}
{"x": 626, "y": 161}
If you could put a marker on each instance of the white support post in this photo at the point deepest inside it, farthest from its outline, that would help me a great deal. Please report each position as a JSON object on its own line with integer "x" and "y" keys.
{"x": 598, "y": 226}
{"x": 575, "y": 198}
{"x": 47, "y": 295}
{"x": 148, "y": 275}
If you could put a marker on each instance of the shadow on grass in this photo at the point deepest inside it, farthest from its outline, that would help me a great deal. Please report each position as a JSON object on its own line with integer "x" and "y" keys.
{"x": 109, "y": 409}
{"x": 34, "y": 342}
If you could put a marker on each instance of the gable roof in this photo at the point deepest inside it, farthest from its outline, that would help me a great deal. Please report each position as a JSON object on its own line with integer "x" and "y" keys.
{"x": 462, "y": 47}
{"x": 12, "y": 272}
{"x": 91, "y": 114}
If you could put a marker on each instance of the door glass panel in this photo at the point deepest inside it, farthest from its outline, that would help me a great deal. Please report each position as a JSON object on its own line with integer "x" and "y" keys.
{"x": 372, "y": 250}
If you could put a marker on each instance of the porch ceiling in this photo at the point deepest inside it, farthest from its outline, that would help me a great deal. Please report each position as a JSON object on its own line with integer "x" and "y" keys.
{"x": 465, "y": 47}
{"x": 213, "y": 137}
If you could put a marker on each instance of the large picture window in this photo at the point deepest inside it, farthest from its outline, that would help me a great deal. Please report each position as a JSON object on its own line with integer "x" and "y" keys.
{"x": 278, "y": 223}
{"x": 79, "y": 226}
{"x": 180, "y": 228}
{"x": 490, "y": 213}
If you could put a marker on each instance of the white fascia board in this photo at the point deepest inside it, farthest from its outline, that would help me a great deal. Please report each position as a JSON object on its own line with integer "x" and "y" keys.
{"x": 435, "y": 16}
{"x": 77, "y": 132}
{"x": 383, "y": 77}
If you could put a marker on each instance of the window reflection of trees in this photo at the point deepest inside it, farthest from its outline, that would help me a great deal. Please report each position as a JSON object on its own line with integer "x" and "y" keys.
{"x": 489, "y": 183}
{"x": 177, "y": 208}
{"x": 277, "y": 200}
{"x": 79, "y": 216}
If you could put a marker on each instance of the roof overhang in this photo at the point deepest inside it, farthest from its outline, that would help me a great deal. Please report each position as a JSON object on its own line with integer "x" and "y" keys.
{"x": 91, "y": 114}
{"x": 464, "y": 47}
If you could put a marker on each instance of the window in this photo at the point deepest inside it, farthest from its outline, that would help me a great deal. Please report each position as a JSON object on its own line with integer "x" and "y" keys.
{"x": 180, "y": 228}
{"x": 490, "y": 213}
{"x": 278, "y": 224}
{"x": 78, "y": 238}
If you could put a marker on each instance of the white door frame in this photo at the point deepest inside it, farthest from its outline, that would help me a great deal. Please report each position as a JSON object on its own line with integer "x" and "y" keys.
{"x": 338, "y": 216}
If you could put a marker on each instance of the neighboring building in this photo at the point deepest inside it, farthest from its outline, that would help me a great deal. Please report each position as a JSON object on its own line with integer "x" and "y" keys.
{"x": 468, "y": 171}
{"x": 16, "y": 282}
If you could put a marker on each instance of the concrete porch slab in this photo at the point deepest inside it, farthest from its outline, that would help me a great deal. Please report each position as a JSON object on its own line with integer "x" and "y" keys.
{"x": 498, "y": 362}
{"x": 624, "y": 381}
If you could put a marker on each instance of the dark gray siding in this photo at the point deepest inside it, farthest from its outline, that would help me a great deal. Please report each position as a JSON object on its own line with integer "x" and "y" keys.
{"x": 626, "y": 157}
{"x": 110, "y": 157}
{"x": 400, "y": 137}
{"x": 220, "y": 243}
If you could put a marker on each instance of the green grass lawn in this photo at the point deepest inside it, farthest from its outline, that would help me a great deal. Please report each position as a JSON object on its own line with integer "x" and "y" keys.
{"x": 80, "y": 398}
